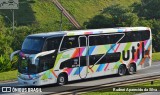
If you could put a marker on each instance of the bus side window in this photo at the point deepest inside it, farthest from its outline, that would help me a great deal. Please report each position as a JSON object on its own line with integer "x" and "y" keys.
{"x": 115, "y": 38}
{"x": 95, "y": 40}
{"x": 135, "y": 36}
{"x": 110, "y": 58}
{"x": 46, "y": 62}
{"x": 145, "y": 35}
{"x": 69, "y": 42}
{"x": 83, "y": 61}
{"x": 104, "y": 39}
{"x": 83, "y": 42}
{"x": 52, "y": 44}
{"x": 70, "y": 63}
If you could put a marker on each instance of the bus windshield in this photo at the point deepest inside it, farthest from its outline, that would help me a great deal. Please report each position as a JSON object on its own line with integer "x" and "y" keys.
{"x": 32, "y": 45}
{"x": 25, "y": 66}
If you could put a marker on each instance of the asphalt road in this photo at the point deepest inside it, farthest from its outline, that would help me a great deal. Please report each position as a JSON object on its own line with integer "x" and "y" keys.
{"x": 149, "y": 71}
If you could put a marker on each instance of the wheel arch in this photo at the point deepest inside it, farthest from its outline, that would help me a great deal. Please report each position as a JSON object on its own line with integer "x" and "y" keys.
{"x": 65, "y": 74}
{"x": 125, "y": 68}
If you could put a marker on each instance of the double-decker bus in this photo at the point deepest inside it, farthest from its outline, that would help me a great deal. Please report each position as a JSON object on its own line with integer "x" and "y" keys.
{"x": 59, "y": 57}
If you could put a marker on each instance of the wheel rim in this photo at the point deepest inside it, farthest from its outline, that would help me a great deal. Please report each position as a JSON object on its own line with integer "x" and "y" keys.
{"x": 132, "y": 70}
{"x": 121, "y": 70}
{"x": 61, "y": 80}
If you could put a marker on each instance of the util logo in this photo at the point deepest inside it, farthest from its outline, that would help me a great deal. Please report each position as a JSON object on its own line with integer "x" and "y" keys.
{"x": 134, "y": 52}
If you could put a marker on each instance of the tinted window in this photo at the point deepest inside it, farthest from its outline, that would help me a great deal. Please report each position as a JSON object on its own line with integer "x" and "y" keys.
{"x": 111, "y": 57}
{"x": 145, "y": 35}
{"x": 69, "y": 42}
{"x": 47, "y": 62}
{"x": 83, "y": 41}
{"x": 104, "y": 39}
{"x": 108, "y": 58}
{"x": 70, "y": 63}
{"x": 83, "y": 61}
{"x": 52, "y": 43}
{"x": 135, "y": 36}
{"x": 32, "y": 45}
{"x": 114, "y": 38}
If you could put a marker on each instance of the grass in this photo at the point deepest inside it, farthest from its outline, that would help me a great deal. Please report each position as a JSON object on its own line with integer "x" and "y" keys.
{"x": 83, "y": 10}
{"x": 155, "y": 85}
{"x": 45, "y": 14}
{"x": 10, "y": 75}
{"x": 156, "y": 56}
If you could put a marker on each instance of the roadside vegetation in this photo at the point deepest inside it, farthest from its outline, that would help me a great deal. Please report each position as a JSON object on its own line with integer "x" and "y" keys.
{"x": 35, "y": 16}
{"x": 155, "y": 85}
{"x": 8, "y": 76}
{"x": 156, "y": 56}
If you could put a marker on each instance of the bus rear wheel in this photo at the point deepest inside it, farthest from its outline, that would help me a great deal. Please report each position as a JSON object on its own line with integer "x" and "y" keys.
{"x": 121, "y": 70}
{"x": 62, "y": 79}
{"x": 132, "y": 69}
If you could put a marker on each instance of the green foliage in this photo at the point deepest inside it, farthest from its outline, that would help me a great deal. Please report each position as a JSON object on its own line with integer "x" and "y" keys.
{"x": 8, "y": 76}
{"x": 155, "y": 56}
{"x": 5, "y": 48}
{"x": 113, "y": 16}
{"x": 148, "y": 9}
{"x": 99, "y": 21}
{"x": 47, "y": 16}
{"x": 19, "y": 35}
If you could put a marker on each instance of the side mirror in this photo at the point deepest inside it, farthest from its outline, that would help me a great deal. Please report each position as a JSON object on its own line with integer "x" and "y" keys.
{"x": 12, "y": 55}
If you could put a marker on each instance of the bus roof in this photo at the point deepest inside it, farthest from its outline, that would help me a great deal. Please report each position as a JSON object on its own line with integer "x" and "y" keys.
{"x": 47, "y": 35}
{"x": 105, "y": 30}
{"x": 89, "y": 31}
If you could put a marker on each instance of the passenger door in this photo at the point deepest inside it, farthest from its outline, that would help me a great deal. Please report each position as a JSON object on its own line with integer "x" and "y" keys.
{"x": 83, "y": 56}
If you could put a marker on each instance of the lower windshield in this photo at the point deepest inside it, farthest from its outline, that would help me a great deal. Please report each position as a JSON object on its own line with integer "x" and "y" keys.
{"x": 32, "y": 45}
{"x": 25, "y": 66}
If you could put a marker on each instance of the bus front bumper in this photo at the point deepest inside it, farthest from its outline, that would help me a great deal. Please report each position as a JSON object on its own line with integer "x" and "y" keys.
{"x": 33, "y": 82}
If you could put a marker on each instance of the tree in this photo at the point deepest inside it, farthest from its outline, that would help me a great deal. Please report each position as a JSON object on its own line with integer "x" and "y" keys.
{"x": 148, "y": 9}
{"x": 113, "y": 16}
{"x": 99, "y": 21}
{"x": 5, "y": 47}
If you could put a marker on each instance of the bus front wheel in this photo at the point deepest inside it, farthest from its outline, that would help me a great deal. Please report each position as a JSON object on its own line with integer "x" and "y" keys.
{"x": 121, "y": 70}
{"x": 62, "y": 79}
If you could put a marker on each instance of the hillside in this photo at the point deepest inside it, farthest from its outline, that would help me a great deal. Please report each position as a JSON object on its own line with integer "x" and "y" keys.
{"x": 44, "y": 14}
{"x": 83, "y": 10}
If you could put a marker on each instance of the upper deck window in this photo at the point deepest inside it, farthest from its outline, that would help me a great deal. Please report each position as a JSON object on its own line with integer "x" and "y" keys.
{"x": 32, "y": 45}
{"x": 52, "y": 43}
{"x": 69, "y": 42}
{"x": 135, "y": 36}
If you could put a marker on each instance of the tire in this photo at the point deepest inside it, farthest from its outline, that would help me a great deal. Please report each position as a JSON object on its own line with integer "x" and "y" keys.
{"x": 62, "y": 79}
{"x": 132, "y": 69}
{"x": 121, "y": 70}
